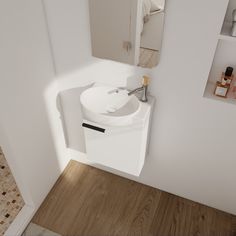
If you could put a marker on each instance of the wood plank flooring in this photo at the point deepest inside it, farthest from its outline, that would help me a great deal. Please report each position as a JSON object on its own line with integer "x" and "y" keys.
{"x": 87, "y": 201}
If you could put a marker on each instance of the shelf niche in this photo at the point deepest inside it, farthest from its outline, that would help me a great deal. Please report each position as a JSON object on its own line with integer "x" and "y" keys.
{"x": 225, "y": 56}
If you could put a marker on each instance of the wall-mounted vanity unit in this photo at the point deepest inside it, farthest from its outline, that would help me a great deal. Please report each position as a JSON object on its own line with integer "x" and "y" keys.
{"x": 128, "y": 31}
{"x": 116, "y": 128}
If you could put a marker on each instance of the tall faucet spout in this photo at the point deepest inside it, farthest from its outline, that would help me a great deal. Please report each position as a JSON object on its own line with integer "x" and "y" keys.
{"x": 144, "y": 89}
{"x": 136, "y": 91}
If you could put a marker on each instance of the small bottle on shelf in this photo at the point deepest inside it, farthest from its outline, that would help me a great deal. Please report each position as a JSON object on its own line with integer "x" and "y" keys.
{"x": 228, "y": 75}
{"x": 223, "y": 86}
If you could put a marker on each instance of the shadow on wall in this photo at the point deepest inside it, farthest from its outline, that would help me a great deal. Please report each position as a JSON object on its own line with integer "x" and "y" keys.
{"x": 69, "y": 58}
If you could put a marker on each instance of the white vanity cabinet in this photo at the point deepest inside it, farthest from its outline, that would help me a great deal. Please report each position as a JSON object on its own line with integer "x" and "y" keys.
{"x": 120, "y": 147}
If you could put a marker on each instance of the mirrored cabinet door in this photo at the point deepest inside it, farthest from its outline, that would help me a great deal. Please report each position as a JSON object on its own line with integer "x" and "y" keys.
{"x": 128, "y": 31}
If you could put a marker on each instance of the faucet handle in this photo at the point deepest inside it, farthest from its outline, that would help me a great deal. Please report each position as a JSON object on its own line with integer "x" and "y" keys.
{"x": 146, "y": 80}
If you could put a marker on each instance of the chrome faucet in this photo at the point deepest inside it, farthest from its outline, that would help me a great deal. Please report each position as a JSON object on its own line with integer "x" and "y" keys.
{"x": 142, "y": 89}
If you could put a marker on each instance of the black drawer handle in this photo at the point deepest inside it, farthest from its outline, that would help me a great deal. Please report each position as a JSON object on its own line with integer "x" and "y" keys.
{"x": 93, "y": 127}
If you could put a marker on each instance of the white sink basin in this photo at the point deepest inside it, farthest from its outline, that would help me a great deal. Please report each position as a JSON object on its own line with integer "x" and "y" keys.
{"x": 109, "y": 105}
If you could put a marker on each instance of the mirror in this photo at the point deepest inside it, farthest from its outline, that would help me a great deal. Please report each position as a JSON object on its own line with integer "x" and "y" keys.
{"x": 128, "y": 31}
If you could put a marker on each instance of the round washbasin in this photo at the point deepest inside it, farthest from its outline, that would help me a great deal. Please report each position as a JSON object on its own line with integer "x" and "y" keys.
{"x": 109, "y": 105}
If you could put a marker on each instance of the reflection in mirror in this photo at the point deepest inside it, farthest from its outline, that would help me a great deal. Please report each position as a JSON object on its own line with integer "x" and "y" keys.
{"x": 128, "y": 31}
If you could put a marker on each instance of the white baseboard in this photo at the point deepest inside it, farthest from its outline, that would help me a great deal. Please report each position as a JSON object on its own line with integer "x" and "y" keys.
{"x": 21, "y": 221}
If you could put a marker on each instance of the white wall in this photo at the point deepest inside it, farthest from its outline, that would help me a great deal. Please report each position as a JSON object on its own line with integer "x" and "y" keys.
{"x": 192, "y": 150}
{"x": 25, "y": 77}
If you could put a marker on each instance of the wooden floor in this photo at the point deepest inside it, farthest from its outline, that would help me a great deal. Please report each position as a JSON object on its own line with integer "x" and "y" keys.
{"x": 89, "y": 202}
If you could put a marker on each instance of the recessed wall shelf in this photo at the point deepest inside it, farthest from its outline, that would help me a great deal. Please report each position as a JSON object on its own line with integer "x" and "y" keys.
{"x": 226, "y": 32}
{"x": 225, "y": 55}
